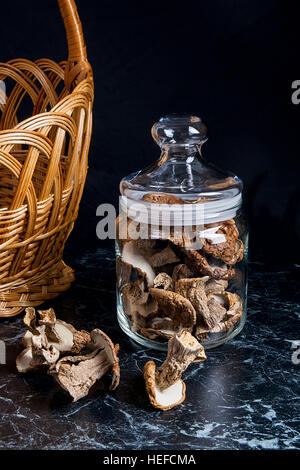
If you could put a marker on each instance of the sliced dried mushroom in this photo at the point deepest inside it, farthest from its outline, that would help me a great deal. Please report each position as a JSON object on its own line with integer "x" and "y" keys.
{"x": 162, "y": 257}
{"x": 165, "y": 198}
{"x": 227, "y": 182}
{"x": 162, "y": 198}
{"x": 193, "y": 289}
{"x": 231, "y": 302}
{"x": 132, "y": 256}
{"x": 146, "y": 247}
{"x": 231, "y": 249}
{"x": 39, "y": 353}
{"x": 153, "y": 333}
{"x": 98, "y": 340}
{"x": 77, "y": 374}
{"x": 181, "y": 271}
{"x": 161, "y": 327}
{"x": 30, "y": 320}
{"x": 215, "y": 286}
{"x": 47, "y": 317}
{"x": 208, "y": 266}
{"x": 49, "y": 354}
{"x": 235, "y": 305}
{"x": 175, "y": 306}
{"x": 202, "y": 332}
{"x": 183, "y": 349}
{"x": 137, "y": 322}
{"x": 51, "y": 338}
{"x": 229, "y": 252}
{"x": 217, "y": 311}
{"x": 163, "y": 281}
{"x": 162, "y": 399}
{"x": 57, "y": 333}
{"x": 123, "y": 272}
{"x": 226, "y": 309}
{"x": 136, "y": 300}
{"x": 27, "y": 362}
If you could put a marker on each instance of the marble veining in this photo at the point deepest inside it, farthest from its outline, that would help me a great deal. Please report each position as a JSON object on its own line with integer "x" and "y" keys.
{"x": 245, "y": 396}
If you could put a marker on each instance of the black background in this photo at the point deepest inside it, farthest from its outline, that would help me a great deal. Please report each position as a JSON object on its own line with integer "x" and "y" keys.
{"x": 231, "y": 62}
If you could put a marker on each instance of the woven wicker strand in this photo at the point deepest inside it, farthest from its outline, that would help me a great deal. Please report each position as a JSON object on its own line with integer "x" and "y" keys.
{"x": 43, "y": 166}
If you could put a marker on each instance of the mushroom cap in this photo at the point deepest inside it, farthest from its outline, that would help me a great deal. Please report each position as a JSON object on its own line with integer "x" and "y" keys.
{"x": 166, "y": 399}
{"x": 175, "y": 306}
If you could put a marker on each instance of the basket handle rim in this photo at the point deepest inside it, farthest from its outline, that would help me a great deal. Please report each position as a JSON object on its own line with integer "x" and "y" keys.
{"x": 78, "y": 66}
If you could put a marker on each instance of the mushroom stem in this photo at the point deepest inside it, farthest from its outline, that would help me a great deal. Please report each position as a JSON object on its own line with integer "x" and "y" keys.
{"x": 183, "y": 349}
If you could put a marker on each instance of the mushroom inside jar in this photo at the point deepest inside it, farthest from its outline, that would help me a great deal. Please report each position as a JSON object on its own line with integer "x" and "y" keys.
{"x": 166, "y": 285}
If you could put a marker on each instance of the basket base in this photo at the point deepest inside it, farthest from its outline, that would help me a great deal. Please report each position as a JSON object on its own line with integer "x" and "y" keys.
{"x": 57, "y": 280}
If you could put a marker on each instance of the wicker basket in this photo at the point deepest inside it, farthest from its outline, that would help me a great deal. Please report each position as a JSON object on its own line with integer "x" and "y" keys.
{"x": 43, "y": 166}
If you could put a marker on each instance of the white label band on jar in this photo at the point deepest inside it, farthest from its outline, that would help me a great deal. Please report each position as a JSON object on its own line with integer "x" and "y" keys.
{"x": 170, "y": 215}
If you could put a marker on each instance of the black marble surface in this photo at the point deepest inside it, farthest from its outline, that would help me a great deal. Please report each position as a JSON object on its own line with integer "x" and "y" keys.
{"x": 245, "y": 396}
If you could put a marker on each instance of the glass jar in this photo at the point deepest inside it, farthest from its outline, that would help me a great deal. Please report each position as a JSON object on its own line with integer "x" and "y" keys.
{"x": 182, "y": 243}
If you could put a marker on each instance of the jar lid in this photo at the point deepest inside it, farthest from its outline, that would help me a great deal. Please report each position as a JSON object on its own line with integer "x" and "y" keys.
{"x": 181, "y": 186}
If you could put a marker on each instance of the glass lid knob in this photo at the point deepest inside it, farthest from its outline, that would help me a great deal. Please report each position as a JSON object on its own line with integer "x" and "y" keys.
{"x": 177, "y": 129}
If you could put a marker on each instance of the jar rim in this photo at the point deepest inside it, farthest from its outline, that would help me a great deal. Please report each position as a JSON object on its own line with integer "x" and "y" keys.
{"x": 202, "y": 213}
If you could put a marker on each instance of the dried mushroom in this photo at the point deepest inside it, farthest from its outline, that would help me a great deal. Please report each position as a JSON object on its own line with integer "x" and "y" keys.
{"x": 57, "y": 333}
{"x": 136, "y": 300}
{"x": 181, "y": 271}
{"x": 227, "y": 250}
{"x": 225, "y": 309}
{"x": 123, "y": 272}
{"x": 49, "y": 338}
{"x": 217, "y": 311}
{"x": 202, "y": 332}
{"x": 163, "y": 281}
{"x": 162, "y": 198}
{"x": 77, "y": 374}
{"x": 226, "y": 183}
{"x": 146, "y": 247}
{"x": 132, "y": 256}
{"x": 27, "y": 362}
{"x": 234, "y": 303}
{"x": 175, "y": 306}
{"x": 30, "y": 320}
{"x": 165, "y": 198}
{"x": 161, "y": 327}
{"x": 182, "y": 350}
{"x": 193, "y": 289}
{"x": 208, "y": 266}
{"x": 162, "y": 399}
{"x": 215, "y": 286}
{"x": 138, "y": 322}
{"x": 173, "y": 278}
{"x": 165, "y": 256}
